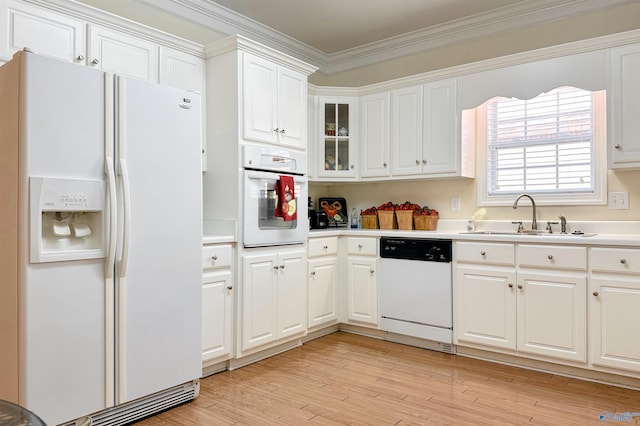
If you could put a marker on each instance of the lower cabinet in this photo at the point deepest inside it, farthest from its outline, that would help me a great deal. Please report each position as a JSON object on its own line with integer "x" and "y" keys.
{"x": 362, "y": 280}
{"x": 273, "y": 298}
{"x": 217, "y": 303}
{"x": 614, "y": 314}
{"x": 323, "y": 282}
{"x": 535, "y": 305}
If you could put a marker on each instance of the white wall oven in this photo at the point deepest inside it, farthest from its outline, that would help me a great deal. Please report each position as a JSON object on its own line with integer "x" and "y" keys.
{"x": 264, "y": 167}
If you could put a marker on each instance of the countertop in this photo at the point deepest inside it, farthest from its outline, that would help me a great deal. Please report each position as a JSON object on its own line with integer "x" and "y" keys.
{"x": 218, "y": 239}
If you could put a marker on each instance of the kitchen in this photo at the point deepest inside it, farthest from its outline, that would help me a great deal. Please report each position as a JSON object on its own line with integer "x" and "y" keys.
{"x": 436, "y": 193}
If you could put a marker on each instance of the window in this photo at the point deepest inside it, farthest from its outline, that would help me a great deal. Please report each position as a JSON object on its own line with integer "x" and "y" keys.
{"x": 551, "y": 146}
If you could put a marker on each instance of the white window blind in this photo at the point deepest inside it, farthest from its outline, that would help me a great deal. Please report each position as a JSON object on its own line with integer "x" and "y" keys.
{"x": 544, "y": 145}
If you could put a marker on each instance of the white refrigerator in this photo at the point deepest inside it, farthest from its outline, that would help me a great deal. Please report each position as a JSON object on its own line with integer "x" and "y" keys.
{"x": 100, "y": 243}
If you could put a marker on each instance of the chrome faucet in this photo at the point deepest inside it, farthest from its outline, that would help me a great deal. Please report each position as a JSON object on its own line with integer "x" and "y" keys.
{"x": 563, "y": 225}
{"x": 534, "y": 222}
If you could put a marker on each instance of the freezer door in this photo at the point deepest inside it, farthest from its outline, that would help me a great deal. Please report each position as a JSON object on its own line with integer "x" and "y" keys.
{"x": 158, "y": 268}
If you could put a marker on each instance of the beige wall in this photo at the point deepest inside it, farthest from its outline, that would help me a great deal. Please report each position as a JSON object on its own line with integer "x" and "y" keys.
{"x": 437, "y": 195}
{"x": 605, "y": 22}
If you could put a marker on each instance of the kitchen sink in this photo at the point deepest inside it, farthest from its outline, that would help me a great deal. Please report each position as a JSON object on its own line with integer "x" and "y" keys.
{"x": 529, "y": 233}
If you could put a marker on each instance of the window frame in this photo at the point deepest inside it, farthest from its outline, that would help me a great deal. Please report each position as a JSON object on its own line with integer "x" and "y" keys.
{"x": 597, "y": 197}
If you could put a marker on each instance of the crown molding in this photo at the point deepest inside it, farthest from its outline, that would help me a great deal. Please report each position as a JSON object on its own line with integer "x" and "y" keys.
{"x": 523, "y": 14}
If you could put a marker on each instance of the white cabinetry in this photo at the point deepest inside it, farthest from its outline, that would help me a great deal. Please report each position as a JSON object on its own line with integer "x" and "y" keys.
{"x": 485, "y": 298}
{"x": 614, "y": 298}
{"x": 535, "y": 306}
{"x": 43, "y": 31}
{"x": 217, "y": 303}
{"x": 323, "y": 281}
{"x": 274, "y": 104}
{"x": 374, "y": 134}
{"x": 336, "y": 137}
{"x": 101, "y": 41}
{"x": 623, "y": 107}
{"x": 362, "y": 281}
{"x": 273, "y": 298}
{"x": 116, "y": 52}
{"x": 425, "y": 130}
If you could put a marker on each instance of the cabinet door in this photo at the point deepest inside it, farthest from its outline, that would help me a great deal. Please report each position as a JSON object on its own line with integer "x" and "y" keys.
{"x": 614, "y": 323}
{"x": 623, "y": 107}
{"x": 440, "y": 134}
{"x": 374, "y": 141}
{"x": 552, "y": 315}
{"x": 406, "y": 123}
{"x": 216, "y": 316}
{"x": 336, "y": 137}
{"x": 259, "y": 300}
{"x": 179, "y": 69}
{"x": 486, "y": 307}
{"x": 323, "y": 291}
{"x": 260, "y": 92}
{"x": 362, "y": 290}
{"x": 292, "y": 108}
{"x": 292, "y": 294}
{"x": 120, "y": 53}
{"x": 41, "y": 30}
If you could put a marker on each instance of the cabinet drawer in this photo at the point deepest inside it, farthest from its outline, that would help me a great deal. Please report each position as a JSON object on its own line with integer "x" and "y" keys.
{"x": 323, "y": 246}
{"x": 366, "y": 246}
{"x": 615, "y": 260}
{"x": 217, "y": 256}
{"x": 486, "y": 253}
{"x": 555, "y": 257}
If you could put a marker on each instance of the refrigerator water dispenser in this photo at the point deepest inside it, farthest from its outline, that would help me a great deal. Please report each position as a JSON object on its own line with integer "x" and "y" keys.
{"x": 66, "y": 219}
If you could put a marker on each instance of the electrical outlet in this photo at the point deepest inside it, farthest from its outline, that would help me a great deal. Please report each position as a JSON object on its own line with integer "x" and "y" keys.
{"x": 618, "y": 200}
{"x": 455, "y": 204}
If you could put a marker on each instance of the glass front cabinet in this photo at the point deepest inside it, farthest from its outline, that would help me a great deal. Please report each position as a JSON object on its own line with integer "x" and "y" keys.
{"x": 337, "y": 147}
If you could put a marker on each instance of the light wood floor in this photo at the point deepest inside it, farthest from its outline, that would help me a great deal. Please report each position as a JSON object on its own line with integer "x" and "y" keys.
{"x": 347, "y": 379}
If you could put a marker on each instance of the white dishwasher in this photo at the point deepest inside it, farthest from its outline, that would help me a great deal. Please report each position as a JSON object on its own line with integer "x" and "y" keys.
{"x": 416, "y": 289}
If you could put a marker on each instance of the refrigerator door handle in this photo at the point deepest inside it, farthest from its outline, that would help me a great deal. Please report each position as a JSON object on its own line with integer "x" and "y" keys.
{"x": 126, "y": 204}
{"x": 113, "y": 217}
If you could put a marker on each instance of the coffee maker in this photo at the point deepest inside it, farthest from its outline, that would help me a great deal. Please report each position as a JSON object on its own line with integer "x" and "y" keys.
{"x": 317, "y": 218}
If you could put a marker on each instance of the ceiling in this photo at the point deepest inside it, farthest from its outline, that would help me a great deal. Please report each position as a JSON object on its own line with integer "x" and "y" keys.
{"x": 332, "y": 25}
{"x": 340, "y": 35}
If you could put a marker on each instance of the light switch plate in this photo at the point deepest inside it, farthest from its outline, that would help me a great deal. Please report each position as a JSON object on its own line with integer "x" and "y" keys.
{"x": 618, "y": 200}
{"x": 455, "y": 204}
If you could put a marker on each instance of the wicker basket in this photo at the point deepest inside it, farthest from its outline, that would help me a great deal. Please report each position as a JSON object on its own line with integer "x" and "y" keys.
{"x": 426, "y": 223}
{"x": 387, "y": 219}
{"x": 369, "y": 221}
{"x": 405, "y": 219}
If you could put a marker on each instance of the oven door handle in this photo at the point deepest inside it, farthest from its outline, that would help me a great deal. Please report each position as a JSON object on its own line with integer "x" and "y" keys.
{"x": 255, "y": 174}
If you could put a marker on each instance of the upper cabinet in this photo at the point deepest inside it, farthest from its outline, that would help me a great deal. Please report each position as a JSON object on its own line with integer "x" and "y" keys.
{"x": 337, "y": 137}
{"x": 255, "y": 93}
{"x": 623, "y": 107}
{"x": 103, "y": 42}
{"x": 275, "y": 100}
{"x": 375, "y": 133}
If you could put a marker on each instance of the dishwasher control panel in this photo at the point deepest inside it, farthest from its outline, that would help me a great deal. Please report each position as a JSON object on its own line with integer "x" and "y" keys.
{"x": 425, "y": 249}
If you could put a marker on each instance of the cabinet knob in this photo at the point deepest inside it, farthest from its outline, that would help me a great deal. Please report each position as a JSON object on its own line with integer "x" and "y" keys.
{"x": 281, "y": 266}
{"x": 520, "y": 286}
{"x": 214, "y": 257}
{"x": 353, "y": 167}
{"x": 371, "y": 271}
{"x": 360, "y": 246}
{"x": 623, "y": 261}
{"x": 229, "y": 287}
{"x": 276, "y": 267}
{"x": 617, "y": 146}
{"x": 80, "y": 58}
{"x": 483, "y": 253}
{"x": 424, "y": 161}
{"x": 313, "y": 273}
{"x": 510, "y": 285}
{"x": 282, "y": 131}
{"x": 325, "y": 247}
{"x": 385, "y": 164}
{"x": 595, "y": 293}
{"x": 417, "y": 162}
{"x": 550, "y": 257}
{"x": 95, "y": 62}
